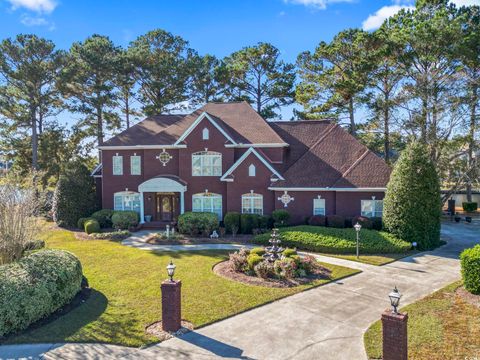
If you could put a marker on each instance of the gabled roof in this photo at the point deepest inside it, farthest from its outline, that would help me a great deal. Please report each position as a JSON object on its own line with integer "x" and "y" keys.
{"x": 237, "y": 120}
{"x": 228, "y": 173}
{"x": 335, "y": 160}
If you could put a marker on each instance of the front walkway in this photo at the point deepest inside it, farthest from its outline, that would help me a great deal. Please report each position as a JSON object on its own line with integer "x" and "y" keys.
{"x": 327, "y": 322}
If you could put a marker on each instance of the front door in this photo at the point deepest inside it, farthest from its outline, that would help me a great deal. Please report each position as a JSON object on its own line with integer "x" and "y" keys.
{"x": 166, "y": 207}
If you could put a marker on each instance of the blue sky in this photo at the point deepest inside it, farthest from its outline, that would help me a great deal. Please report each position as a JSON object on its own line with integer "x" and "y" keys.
{"x": 218, "y": 27}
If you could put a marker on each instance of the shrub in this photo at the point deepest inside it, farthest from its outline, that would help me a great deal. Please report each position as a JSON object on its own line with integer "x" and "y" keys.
{"x": 104, "y": 217}
{"x": 124, "y": 220}
{"x": 281, "y": 217}
{"x": 115, "y": 235}
{"x": 337, "y": 241}
{"x": 364, "y": 221}
{"x": 470, "y": 206}
{"x": 238, "y": 260}
{"x": 248, "y": 222}
{"x": 264, "y": 270}
{"x": 289, "y": 252}
{"x": 285, "y": 268}
{"x": 317, "y": 220}
{"x": 36, "y": 286}
{"x": 252, "y": 260}
{"x": 470, "y": 261}
{"x": 349, "y": 222}
{"x": 264, "y": 222}
{"x": 81, "y": 222}
{"x": 91, "y": 226}
{"x": 34, "y": 245}
{"x": 336, "y": 221}
{"x": 309, "y": 264}
{"x": 377, "y": 223}
{"x": 412, "y": 204}
{"x": 258, "y": 250}
{"x": 232, "y": 222}
{"x": 195, "y": 223}
{"x": 74, "y": 196}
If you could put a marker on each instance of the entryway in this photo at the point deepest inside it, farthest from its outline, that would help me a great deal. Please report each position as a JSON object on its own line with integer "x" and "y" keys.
{"x": 166, "y": 206}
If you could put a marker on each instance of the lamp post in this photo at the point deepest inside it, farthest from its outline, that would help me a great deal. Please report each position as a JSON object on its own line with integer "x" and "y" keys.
{"x": 395, "y": 330}
{"x": 171, "y": 270}
{"x": 358, "y": 227}
{"x": 395, "y": 299}
{"x": 171, "y": 301}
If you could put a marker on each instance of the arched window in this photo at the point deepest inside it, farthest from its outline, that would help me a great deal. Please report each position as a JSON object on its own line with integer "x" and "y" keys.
{"x": 252, "y": 170}
{"x": 206, "y": 163}
{"x": 126, "y": 200}
{"x": 252, "y": 204}
{"x": 207, "y": 202}
{"x": 205, "y": 134}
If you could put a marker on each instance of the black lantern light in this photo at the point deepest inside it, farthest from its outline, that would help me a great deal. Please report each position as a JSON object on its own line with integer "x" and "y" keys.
{"x": 171, "y": 270}
{"x": 395, "y": 299}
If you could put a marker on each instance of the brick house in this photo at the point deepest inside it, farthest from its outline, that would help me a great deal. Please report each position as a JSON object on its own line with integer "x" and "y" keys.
{"x": 225, "y": 157}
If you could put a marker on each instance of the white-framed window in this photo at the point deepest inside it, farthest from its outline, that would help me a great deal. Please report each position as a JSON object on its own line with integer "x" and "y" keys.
{"x": 252, "y": 170}
{"x": 252, "y": 204}
{"x": 372, "y": 208}
{"x": 207, "y": 202}
{"x": 117, "y": 164}
{"x": 126, "y": 200}
{"x": 135, "y": 165}
{"x": 205, "y": 134}
{"x": 318, "y": 206}
{"x": 206, "y": 163}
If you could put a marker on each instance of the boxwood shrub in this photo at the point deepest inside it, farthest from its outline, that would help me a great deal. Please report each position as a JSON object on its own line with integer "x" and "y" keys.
{"x": 104, "y": 217}
{"x": 124, "y": 220}
{"x": 248, "y": 222}
{"x": 470, "y": 206}
{"x": 364, "y": 221}
{"x": 470, "y": 261}
{"x": 337, "y": 241}
{"x": 36, "y": 286}
{"x": 91, "y": 226}
{"x": 281, "y": 217}
{"x": 336, "y": 221}
{"x": 317, "y": 220}
{"x": 195, "y": 223}
{"x": 232, "y": 220}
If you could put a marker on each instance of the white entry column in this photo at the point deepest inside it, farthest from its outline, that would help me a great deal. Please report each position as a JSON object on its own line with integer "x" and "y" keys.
{"x": 142, "y": 209}
{"x": 182, "y": 202}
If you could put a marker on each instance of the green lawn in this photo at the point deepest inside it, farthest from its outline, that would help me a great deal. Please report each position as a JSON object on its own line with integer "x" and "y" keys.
{"x": 126, "y": 295}
{"x": 377, "y": 260}
{"x": 440, "y": 326}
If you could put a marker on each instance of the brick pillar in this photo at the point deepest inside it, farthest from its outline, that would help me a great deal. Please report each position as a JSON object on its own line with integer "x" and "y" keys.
{"x": 171, "y": 305}
{"x": 395, "y": 340}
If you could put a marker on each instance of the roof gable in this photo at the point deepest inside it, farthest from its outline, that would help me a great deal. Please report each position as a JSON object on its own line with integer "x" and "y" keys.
{"x": 204, "y": 116}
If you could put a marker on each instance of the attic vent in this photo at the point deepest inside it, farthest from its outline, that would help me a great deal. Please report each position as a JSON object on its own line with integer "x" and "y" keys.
{"x": 205, "y": 134}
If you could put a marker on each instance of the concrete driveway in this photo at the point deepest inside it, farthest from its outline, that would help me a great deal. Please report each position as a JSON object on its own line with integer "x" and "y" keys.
{"x": 323, "y": 323}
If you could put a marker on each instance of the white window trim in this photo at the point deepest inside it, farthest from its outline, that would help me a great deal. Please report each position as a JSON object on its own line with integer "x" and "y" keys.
{"x": 205, "y": 134}
{"x": 202, "y": 197}
{"x": 251, "y": 197}
{"x": 203, "y": 155}
{"x": 114, "y": 166}
{"x": 124, "y": 194}
{"x": 252, "y": 170}
{"x": 132, "y": 158}
{"x": 324, "y": 206}
{"x": 374, "y": 208}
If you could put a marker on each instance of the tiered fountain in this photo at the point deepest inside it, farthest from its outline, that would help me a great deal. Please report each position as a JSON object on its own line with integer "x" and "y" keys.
{"x": 274, "y": 252}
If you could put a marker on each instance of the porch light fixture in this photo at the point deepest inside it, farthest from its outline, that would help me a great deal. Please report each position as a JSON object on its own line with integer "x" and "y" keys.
{"x": 395, "y": 299}
{"x": 171, "y": 270}
{"x": 358, "y": 227}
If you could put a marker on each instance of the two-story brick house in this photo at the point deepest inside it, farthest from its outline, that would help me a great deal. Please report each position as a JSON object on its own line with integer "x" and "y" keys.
{"x": 225, "y": 157}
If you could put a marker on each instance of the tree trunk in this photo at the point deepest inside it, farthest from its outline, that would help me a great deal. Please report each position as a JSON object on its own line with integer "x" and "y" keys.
{"x": 353, "y": 129}
{"x": 423, "y": 121}
{"x": 33, "y": 123}
{"x": 99, "y": 129}
{"x": 471, "y": 139}
{"x": 386, "y": 129}
{"x": 127, "y": 112}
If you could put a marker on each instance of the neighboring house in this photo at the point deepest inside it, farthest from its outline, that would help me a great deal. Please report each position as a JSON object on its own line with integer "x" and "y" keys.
{"x": 225, "y": 157}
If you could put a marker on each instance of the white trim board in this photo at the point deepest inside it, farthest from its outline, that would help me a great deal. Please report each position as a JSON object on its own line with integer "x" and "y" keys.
{"x": 327, "y": 189}
{"x": 196, "y": 122}
{"x": 138, "y": 147}
{"x": 260, "y": 145}
{"x": 98, "y": 167}
{"x": 251, "y": 150}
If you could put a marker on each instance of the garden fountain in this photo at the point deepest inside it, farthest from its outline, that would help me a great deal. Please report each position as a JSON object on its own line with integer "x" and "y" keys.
{"x": 273, "y": 252}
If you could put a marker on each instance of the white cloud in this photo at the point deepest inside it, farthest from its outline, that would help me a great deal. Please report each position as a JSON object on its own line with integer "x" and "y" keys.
{"x": 374, "y": 21}
{"x": 36, "y": 21}
{"x": 466, "y": 2}
{"x": 39, "y": 6}
{"x": 317, "y": 4}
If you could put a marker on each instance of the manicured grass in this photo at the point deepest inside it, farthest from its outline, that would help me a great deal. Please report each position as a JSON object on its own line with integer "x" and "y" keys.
{"x": 126, "y": 295}
{"x": 440, "y": 326}
{"x": 338, "y": 241}
{"x": 377, "y": 260}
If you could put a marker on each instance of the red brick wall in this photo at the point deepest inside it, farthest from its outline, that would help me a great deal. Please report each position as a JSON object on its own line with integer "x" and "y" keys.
{"x": 349, "y": 203}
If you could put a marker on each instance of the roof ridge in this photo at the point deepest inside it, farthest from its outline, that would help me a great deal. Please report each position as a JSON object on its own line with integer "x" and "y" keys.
{"x": 355, "y": 163}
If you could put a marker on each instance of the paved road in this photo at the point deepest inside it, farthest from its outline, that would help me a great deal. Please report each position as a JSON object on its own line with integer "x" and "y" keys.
{"x": 323, "y": 323}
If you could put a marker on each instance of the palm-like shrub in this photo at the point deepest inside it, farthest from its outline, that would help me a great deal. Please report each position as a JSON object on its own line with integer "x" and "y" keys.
{"x": 412, "y": 204}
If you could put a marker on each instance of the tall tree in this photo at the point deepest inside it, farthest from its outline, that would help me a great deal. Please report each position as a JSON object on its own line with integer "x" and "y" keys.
{"x": 335, "y": 75}
{"x": 206, "y": 82}
{"x": 89, "y": 84}
{"x": 163, "y": 69}
{"x": 30, "y": 68}
{"x": 257, "y": 74}
{"x": 125, "y": 82}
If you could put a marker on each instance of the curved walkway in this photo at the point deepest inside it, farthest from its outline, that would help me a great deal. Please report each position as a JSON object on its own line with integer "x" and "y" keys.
{"x": 327, "y": 322}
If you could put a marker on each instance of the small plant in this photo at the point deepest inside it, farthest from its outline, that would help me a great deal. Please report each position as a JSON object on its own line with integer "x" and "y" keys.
{"x": 115, "y": 235}
{"x": 281, "y": 217}
{"x": 289, "y": 252}
{"x": 264, "y": 269}
{"x": 285, "y": 268}
{"x": 470, "y": 206}
{"x": 336, "y": 221}
{"x": 81, "y": 222}
{"x": 252, "y": 260}
{"x": 91, "y": 226}
{"x": 238, "y": 260}
{"x": 317, "y": 220}
{"x": 258, "y": 250}
{"x": 470, "y": 262}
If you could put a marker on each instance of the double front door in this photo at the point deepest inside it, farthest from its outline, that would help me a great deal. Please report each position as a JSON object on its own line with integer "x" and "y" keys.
{"x": 166, "y": 207}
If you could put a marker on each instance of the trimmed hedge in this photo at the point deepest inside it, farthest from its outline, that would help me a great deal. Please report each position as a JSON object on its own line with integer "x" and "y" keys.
{"x": 91, "y": 226}
{"x": 36, "y": 286}
{"x": 317, "y": 220}
{"x": 335, "y": 221}
{"x": 195, "y": 223}
{"x": 232, "y": 219}
{"x": 104, "y": 217}
{"x": 337, "y": 241}
{"x": 364, "y": 221}
{"x": 470, "y": 206}
{"x": 470, "y": 261}
{"x": 81, "y": 222}
{"x": 248, "y": 222}
{"x": 124, "y": 220}
{"x": 281, "y": 217}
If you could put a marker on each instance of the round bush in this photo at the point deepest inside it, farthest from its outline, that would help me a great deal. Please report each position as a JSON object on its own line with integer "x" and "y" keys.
{"x": 336, "y": 221}
{"x": 104, "y": 217}
{"x": 253, "y": 259}
{"x": 281, "y": 217}
{"x": 81, "y": 222}
{"x": 248, "y": 222}
{"x": 36, "y": 286}
{"x": 317, "y": 220}
{"x": 258, "y": 250}
{"x": 91, "y": 226}
{"x": 470, "y": 206}
{"x": 124, "y": 220}
{"x": 195, "y": 223}
{"x": 232, "y": 221}
{"x": 289, "y": 252}
{"x": 470, "y": 261}
{"x": 364, "y": 221}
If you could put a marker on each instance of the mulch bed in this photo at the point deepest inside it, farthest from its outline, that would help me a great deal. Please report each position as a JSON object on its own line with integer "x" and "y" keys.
{"x": 468, "y": 297}
{"x": 156, "y": 330}
{"x": 188, "y": 240}
{"x": 225, "y": 270}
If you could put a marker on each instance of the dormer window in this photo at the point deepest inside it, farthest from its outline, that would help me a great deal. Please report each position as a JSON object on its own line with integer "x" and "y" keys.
{"x": 252, "y": 170}
{"x": 205, "y": 134}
